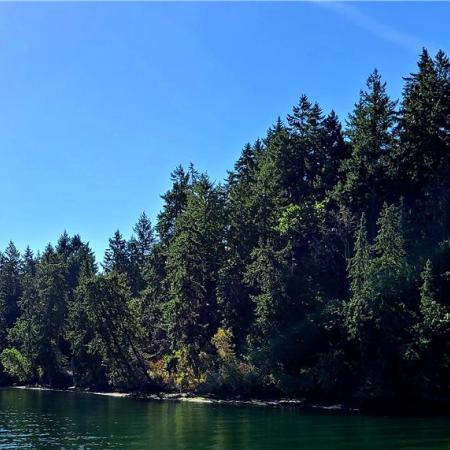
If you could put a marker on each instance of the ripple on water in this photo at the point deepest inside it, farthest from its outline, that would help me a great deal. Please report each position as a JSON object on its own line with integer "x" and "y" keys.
{"x": 62, "y": 420}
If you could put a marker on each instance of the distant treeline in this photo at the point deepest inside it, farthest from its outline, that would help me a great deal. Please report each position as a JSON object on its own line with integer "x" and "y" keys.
{"x": 320, "y": 268}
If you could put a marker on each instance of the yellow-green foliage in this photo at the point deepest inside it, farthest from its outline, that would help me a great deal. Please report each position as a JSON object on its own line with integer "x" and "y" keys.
{"x": 188, "y": 375}
{"x": 184, "y": 370}
{"x": 223, "y": 342}
{"x": 15, "y": 364}
{"x": 300, "y": 218}
{"x": 189, "y": 370}
{"x": 231, "y": 373}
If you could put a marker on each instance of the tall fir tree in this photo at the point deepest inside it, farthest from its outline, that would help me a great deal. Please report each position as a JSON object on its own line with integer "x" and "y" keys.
{"x": 10, "y": 283}
{"x": 241, "y": 237}
{"x": 194, "y": 259}
{"x": 174, "y": 204}
{"x": 110, "y": 332}
{"x": 140, "y": 248}
{"x": 117, "y": 256}
{"x": 370, "y": 135}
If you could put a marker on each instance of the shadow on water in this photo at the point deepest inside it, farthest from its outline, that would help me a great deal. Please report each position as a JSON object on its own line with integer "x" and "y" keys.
{"x": 65, "y": 420}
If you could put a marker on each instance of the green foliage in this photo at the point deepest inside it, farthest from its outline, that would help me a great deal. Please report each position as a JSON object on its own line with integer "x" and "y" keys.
{"x": 105, "y": 328}
{"x": 436, "y": 317}
{"x": 371, "y": 140}
{"x": 39, "y": 330}
{"x": 424, "y": 121}
{"x": 320, "y": 268}
{"x": 241, "y": 237}
{"x": 15, "y": 364}
{"x": 376, "y": 315}
{"x": 231, "y": 374}
{"x": 174, "y": 204}
{"x": 10, "y": 288}
{"x": 300, "y": 219}
{"x": 117, "y": 256}
{"x": 360, "y": 267}
{"x": 193, "y": 263}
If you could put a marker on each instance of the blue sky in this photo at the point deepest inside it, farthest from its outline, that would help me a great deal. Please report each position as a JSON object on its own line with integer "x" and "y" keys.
{"x": 99, "y": 102}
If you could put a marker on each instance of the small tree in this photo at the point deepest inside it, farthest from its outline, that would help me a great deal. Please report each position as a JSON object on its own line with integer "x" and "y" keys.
{"x": 15, "y": 364}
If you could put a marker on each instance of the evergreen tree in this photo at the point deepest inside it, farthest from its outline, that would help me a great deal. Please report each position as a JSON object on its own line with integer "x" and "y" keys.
{"x": 155, "y": 296}
{"x": 145, "y": 239}
{"x": 376, "y": 316}
{"x": 306, "y": 152}
{"x": 268, "y": 274}
{"x": 274, "y": 179}
{"x": 117, "y": 255}
{"x": 77, "y": 258}
{"x": 357, "y": 312}
{"x": 433, "y": 313}
{"x": 24, "y": 332}
{"x": 424, "y": 123}
{"x": 140, "y": 247}
{"x": 241, "y": 238}
{"x": 10, "y": 292}
{"x": 10, "y": 283}
{"x": 370, "y": 133}
{"x": 110, "y": 332}
{"x": 429, "y": 352}
{"x": 174, "y": 204}
{"x": 39, "y": 331}
{"x": 331, "y": 154}
{"x": 194, "y": 258}
{"x": 420, "y": 165}
{"x": 267, "y": 285}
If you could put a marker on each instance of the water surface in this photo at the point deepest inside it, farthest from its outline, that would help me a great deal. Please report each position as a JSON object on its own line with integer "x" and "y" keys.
{"x": 67, "y": 420}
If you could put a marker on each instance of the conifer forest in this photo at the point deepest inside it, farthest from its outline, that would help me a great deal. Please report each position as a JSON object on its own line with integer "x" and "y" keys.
{"x": 319, "y": 268}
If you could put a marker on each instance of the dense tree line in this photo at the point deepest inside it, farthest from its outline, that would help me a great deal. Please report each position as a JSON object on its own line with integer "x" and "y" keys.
{"x": 320, "y": 267}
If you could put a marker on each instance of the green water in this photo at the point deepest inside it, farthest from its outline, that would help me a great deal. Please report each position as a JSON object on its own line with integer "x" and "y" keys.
{"x": 60, "y": 420}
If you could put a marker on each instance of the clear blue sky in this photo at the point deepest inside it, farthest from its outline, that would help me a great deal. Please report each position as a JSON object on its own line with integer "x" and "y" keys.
{"x": 99, "y": 102}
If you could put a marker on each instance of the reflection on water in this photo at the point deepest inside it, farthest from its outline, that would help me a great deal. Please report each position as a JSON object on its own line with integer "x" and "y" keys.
{"x": 60, "y": 420}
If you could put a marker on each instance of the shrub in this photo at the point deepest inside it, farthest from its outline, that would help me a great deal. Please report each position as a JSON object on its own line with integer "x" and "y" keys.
{"x": 230, "y": 374}
{"x": 15, "y": 364}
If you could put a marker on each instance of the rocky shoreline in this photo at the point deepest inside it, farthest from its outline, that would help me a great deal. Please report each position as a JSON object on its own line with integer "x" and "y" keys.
{"x": 193, "y": 398}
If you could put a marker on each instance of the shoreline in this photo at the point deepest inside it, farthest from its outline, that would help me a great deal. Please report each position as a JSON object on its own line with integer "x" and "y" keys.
{"x": 192, "y": 398}
{"x": 382, "y": 409}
